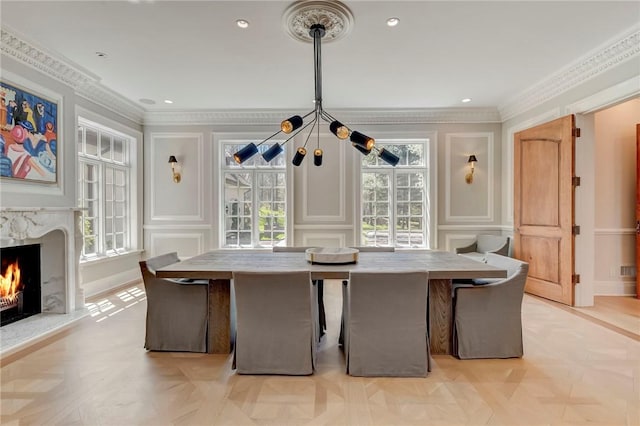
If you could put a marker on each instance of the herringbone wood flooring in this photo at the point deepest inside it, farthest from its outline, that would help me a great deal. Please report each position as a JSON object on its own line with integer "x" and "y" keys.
{"x": 574, "y": 372}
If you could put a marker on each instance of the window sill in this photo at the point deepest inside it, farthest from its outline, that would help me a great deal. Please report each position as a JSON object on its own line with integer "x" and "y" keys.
{"x": 108, "y": 258}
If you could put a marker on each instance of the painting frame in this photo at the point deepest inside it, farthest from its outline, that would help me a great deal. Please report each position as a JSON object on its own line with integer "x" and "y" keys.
{"x": 29, "y": 128}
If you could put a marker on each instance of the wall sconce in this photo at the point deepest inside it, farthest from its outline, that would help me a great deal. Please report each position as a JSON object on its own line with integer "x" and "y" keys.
{"x": 174, "y": 169}
{"x": 472, "y": 163}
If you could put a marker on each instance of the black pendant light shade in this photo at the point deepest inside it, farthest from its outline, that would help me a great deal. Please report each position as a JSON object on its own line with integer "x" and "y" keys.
{"x": 363, "y": 150}
{"x": 291, "y": 124}
{"x": 388, "y": 156}
{"x": 317, "y": 157}
{"x": 363, "y": 140}
{"x": 245, "y": 153}
{"x": 340, "y": 130}
{"x": 272, "y": 152}
{"x": 297, "y": 159}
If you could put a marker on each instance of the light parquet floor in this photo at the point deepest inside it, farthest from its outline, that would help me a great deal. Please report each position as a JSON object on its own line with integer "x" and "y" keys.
{"x": 574, "y": 372}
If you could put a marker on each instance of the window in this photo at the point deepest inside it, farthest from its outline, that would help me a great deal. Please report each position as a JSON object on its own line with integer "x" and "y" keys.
{"x": 255, "y": 199}
{"x": 103, "y": 189}
{"x": 395, "y": 200}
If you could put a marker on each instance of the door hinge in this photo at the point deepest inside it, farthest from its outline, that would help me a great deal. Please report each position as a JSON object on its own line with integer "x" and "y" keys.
{"x": 575, "y": 181}
{"x": 576, "y": 132}
{"x": 575, "y": 229}
{"x": 575, "y": 279}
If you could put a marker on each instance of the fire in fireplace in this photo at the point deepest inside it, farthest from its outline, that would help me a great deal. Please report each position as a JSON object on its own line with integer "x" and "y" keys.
{"x": 20, "y": 293}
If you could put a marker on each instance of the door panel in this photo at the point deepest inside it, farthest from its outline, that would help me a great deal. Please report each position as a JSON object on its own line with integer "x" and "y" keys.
{"x": 544, "y": 207}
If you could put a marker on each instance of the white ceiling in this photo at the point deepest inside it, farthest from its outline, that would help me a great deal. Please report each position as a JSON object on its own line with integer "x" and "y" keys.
{"x": 193, "y": 53}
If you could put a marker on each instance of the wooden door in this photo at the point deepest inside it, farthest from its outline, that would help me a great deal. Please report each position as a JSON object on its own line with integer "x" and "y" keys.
{"x": 544, "y": 207}
{"x": 637, "y": 210}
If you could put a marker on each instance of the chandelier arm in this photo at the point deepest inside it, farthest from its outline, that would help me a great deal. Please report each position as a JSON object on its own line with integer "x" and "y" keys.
{"x": 328, "y": 117}
{"x": 314, "y": 121}
{"x": 299, "y": 130}
{"x": 275, "y": 134}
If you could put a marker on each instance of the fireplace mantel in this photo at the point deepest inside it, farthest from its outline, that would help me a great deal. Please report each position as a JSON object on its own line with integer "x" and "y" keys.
{"x": 20, "y": 226}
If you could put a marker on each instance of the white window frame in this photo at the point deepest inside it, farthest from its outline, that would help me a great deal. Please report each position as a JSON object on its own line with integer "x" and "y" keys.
{"x": 241, "y": 140}
{"x": 131, "y": 215}
{"x": 428, "y": 139}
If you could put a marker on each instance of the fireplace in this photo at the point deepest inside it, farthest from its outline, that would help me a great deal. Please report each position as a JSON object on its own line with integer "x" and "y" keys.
{"x": 20, "y": 283}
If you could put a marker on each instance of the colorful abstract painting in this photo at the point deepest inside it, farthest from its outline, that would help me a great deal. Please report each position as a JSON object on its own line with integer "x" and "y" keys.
{"x": 28, "y": 139}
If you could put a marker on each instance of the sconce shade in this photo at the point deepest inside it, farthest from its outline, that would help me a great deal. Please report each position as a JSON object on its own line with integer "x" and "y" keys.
{"x": 297, "y": 159}
{"x": 363, "y": 140}
{"x": 291, "y": 124}
{"x": 317, "y": 157}
{"x": 340, "y": 130}
{"x": 245, "y": 153}
{"x": 363, "y": 150}
{"x": 272, "y": 152}
{"x": 389, "y": 157}
{"x": 472, "y": 159}
{"x": 172, "y": 159}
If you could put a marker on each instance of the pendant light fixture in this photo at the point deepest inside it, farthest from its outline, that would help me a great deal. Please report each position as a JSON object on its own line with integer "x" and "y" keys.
{"x": 323, "y": 18}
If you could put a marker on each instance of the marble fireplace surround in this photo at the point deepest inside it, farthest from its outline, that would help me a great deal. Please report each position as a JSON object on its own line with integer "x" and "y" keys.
{"x": 58, "y": 233}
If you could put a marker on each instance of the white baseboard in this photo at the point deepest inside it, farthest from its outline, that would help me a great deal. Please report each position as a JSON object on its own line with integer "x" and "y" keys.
{"x": 111, "y": 282}
{"x": 614, "y": 288}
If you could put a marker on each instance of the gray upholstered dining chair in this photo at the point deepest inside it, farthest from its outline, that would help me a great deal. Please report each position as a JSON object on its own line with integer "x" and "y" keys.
{"x": 177, "y": 310}
{"x": 275, "y": 324}
{"x": 488, "y": 313}
{"x": 322, "y": 317}
{"x": 485, "y": 244}
{"x": 385, "y": 319}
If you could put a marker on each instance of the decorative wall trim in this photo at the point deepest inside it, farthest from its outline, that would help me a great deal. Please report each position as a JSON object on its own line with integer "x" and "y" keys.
{"x": 614, "y": 231}
{"x": 82, "y": 81}
{"x": 597, "y": 62}
{"x": 199, "y": 216}
{"x": 353, "y": 117}
{"x": 155, "y": 237}
{"x": 615, "y": 288}
{"x": 180, "y": 227}
{"x": 341, "y": 216}
{"x": 605, "y": 98}
{"x": 488, "y": 216}
{"x": 321, "y": 227}
{"x": 340, "y": 238}
{"x": 474, "y": 228}
{"x": 450, "y": 238}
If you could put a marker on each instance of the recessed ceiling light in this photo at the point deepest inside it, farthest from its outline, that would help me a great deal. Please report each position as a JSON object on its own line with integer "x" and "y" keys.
{"x": 242, "y": 23}
{"x": 168, "y": 101}
{"x": 101, "y": 54}
{"x": 465, "y": 100}
{"x": 147, "y": 101}
{"x": 392, "y": 22}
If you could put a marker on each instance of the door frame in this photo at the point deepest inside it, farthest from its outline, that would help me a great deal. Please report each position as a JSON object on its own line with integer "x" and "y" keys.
{"x": 585, "y": 204}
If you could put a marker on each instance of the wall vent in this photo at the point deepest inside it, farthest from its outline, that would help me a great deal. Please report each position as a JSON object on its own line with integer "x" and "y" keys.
{"x": 627, "y": 271}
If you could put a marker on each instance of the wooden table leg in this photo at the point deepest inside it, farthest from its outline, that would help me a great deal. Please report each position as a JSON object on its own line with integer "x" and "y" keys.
{"x": 219, "y": 317}
{"x": 440, "y": 317}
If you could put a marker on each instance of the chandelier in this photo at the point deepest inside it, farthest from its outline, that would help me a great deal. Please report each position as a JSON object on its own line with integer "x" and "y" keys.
{"x": 317, "y": 19}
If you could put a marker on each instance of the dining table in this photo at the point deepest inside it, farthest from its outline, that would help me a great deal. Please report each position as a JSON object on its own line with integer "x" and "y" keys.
{"x": 218, "y": 267}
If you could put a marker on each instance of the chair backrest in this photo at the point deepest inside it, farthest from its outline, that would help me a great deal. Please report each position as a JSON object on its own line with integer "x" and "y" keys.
{"x": 386, "y": 326}
{"x": 154, "y": 263}
{"x": 517, "y": 270}
{"x": 486, "y": 243}
{"x": 275, "y": 322}
{"x": 375, "y": 249}
{"x": 290, "y": 249}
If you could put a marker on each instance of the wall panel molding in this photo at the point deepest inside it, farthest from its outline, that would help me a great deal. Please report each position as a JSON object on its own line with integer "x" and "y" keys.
{"x": 192, "y": 239}
{"x": 196, "y": 216}
{"x": 488, "y": 165}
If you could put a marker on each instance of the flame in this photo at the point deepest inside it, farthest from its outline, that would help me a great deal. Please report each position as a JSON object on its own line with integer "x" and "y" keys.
{"x": 10, "y": 282}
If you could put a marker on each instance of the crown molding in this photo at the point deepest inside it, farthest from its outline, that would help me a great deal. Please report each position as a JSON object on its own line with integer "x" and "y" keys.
{"x": 377, "y": 116}
{"x": 61, "y": 69}
{"x": 609, "y": 56}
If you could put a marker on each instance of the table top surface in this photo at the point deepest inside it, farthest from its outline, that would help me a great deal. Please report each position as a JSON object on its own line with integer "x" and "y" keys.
{"x": 220, "y": 264}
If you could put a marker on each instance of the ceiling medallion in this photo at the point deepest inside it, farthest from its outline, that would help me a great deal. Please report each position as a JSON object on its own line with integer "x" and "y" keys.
{"x": 301, "y": 15}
